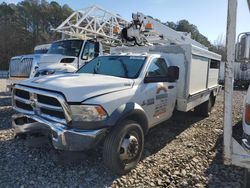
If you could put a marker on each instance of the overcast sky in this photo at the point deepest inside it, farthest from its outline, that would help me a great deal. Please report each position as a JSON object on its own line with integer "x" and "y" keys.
{"x": 208, "y": 15}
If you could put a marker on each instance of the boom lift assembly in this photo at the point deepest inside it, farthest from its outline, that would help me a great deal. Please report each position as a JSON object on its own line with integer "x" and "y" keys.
{"x": 112, "y": 30}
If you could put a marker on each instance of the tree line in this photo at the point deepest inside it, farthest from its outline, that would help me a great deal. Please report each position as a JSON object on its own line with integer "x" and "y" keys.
{"x": 29, "y": 22}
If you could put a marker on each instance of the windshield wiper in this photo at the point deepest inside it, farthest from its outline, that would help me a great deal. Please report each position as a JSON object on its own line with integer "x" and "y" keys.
{"x": 97, "y": 67}
{"x": 125, "y": 68}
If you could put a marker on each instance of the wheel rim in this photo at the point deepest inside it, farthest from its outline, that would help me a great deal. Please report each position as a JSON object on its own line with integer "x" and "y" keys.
{"x": 129, "y": 147}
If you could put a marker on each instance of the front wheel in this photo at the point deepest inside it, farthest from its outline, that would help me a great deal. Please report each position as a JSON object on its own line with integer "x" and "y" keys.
{"x": 123, "y": 147}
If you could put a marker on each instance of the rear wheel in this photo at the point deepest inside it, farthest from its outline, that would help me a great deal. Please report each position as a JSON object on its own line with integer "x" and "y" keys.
{"x": 123, "y": 147}
{"x": 246, "y": 86}
{"x": 205, "y": 108}
{"x": 21, "y": 136}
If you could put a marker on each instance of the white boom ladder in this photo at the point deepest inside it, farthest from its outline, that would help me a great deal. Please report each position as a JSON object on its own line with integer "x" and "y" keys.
{"x": 159, "y": 33}
{"x": 94, "y": 23}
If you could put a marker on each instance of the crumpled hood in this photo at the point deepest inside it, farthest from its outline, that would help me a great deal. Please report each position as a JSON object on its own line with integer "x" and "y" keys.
{"x": 79, "y": 87}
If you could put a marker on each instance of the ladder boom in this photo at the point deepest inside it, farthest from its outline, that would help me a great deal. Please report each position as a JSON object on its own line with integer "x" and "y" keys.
{"x": 112, "y": 30}
{"x": 159, "y": 33}
{"x": 94, "y": 23}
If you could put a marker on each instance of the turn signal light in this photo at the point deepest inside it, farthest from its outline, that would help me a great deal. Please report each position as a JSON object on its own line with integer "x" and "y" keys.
{"x": 100, "y": 111}
{"x": 149, "y": 26}
{"x": 247, "y": 114}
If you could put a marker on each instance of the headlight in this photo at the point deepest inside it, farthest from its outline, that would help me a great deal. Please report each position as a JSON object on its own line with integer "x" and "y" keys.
{"x": 88, "y": 113}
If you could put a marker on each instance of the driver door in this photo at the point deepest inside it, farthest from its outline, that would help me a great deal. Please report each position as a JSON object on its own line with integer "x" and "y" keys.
{"x": 159, "y": 95}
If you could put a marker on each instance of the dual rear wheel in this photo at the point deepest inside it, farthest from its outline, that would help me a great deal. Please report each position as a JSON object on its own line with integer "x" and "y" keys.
{"x": 205, "y": 108}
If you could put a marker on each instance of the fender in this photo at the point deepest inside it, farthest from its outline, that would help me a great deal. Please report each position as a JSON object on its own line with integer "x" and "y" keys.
{"x": 131, "y": 111}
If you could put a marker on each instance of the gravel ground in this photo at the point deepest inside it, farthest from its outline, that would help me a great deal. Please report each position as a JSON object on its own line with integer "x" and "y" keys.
{"x": 185, "y": 151}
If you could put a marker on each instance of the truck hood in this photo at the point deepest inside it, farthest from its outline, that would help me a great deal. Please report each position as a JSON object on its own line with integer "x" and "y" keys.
{"x": 79, "y": 87}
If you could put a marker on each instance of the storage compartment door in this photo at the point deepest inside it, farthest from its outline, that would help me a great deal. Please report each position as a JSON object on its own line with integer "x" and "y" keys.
{"x": 213, "y": 75}
{"x": 198, "y": 74}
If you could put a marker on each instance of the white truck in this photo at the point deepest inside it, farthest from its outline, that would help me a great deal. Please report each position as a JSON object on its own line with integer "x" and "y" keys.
{"x": 63, "y": 56}
{"x": 20, "y": 66}
{"x": 244, "y": 55}
{"x": 115, "y": 99}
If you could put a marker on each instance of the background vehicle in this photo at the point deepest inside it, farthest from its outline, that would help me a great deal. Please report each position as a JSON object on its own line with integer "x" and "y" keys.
{"x": 241, "y": 74}
{"x": 244, "y": 57}
{"x": 23, "y": 66}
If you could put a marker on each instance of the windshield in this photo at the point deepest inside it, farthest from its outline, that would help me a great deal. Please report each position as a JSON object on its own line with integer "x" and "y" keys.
{"x": 67, "y": 47}
{"x": 119, "y": 66}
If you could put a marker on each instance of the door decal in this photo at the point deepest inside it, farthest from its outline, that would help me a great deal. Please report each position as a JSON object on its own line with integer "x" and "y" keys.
{"x": 161, "y": 100}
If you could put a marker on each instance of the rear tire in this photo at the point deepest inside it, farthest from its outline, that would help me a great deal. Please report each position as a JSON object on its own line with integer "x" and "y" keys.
{"x": 205, "y": 108}
{"x": 21, "y": 136}
{"x": 123, "y": 147}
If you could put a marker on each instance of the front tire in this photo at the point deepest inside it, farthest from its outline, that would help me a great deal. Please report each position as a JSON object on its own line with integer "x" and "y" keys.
{"x": 123, "y": 147}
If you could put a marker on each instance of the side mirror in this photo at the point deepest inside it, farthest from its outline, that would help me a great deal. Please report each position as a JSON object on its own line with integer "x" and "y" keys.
{"x": 173, "y": 73}
{"x": 85, "y": 57}
{"x": 243, "y": 47}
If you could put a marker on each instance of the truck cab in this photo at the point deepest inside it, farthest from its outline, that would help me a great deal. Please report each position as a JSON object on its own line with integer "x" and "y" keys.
{"x": 68, "y": 56}
{"x": 61, "y": 57}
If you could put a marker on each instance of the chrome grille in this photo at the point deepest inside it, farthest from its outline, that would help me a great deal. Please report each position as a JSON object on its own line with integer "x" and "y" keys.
{"x": 48, "y": 105}
{"x": 20, "y": 67}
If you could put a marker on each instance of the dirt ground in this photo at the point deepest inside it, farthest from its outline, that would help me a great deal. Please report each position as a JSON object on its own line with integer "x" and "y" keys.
{"x": 185, "y": 151}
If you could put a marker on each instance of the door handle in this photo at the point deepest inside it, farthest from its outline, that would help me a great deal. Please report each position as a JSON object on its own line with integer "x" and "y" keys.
{"x": 170, "y": 87}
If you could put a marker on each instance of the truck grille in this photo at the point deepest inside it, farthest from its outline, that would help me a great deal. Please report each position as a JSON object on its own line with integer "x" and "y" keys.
{"x": 48, "y": 105}
{"x": 20, "y": 67}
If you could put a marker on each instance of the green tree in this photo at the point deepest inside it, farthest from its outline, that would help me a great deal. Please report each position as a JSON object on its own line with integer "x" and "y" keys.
{"x": 172, "y": 25}
{"x": 185, "y": 26}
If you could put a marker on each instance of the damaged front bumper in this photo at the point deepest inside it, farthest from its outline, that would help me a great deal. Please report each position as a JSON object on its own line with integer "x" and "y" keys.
{"x": 63, "y": 137}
